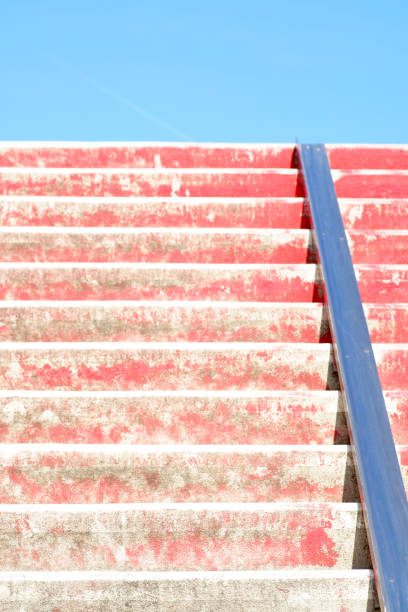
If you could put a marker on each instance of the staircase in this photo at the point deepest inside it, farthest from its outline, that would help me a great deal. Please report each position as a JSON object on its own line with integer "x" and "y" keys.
{"x": 172, "y": 430}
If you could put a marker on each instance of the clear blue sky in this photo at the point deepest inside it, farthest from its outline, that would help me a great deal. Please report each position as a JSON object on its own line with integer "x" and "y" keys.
{"x": 226, "y": 70}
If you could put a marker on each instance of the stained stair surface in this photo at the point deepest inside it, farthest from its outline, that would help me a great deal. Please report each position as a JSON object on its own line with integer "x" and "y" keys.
{"x": 172, "y": 428}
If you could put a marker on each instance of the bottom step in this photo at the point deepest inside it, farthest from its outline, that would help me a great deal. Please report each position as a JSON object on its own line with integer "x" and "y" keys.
{"x": 246, "y": 591}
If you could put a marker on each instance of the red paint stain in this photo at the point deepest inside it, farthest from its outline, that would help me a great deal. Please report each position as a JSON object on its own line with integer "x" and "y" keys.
{"x": 318, "y": 549}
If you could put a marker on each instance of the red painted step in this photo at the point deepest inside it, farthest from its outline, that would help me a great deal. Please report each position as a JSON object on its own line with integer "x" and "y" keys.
{"x": 280, "y": 417}
{"x": 167, "y": 366}
{"x": 371, "y": 214}
{"x": 229, "y": 282}
{"x": 225, "y": 282}
{"x": 192, "y": 245}
{"x": 66, "y": 321}
{"x": 231, "y": 182}
{"x": 72, "y": 474}
{"x": 153, "y": 212}
{"x": 172, "y": 246}
{"x": 216, "y": 182}
{"x": 179, "y": 155}
{"x": 172, "y": 321}
{"x": 116, "y": 417}
{"x": 379, "y": 157}
{"x": 136, "y": 155}
{"x": 160, "y": 537}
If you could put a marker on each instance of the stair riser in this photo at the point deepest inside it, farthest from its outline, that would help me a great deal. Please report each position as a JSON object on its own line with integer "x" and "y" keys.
{"x": 195, "y": 593}
{"x": 284, "y": 419}
{"x": 286, "y": 537}
{"x": 109, "y": 475}
{"x": 288, "y": 366}
{"x": 274, "y": 246}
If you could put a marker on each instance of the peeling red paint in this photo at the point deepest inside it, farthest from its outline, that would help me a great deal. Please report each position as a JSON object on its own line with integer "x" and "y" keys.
{"x": 84, "y": 183}
{"x": 171, "y": 212}
{"x": 147, "y": 156}
{"x": 285, "y": 284}
{"x": 318, "y": 549}
{"x": 300, "y": 371}
{"x": 352, "y": 184}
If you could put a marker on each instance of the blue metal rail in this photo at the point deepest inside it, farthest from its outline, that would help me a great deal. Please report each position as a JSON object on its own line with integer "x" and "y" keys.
{"x": 382, "y": 491}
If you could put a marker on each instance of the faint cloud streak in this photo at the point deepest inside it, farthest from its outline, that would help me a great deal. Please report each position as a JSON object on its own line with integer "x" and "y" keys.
{"x": 121, "y": 99}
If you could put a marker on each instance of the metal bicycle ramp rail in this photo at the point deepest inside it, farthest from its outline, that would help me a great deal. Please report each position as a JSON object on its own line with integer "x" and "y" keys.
{"x": 382, "y": 490}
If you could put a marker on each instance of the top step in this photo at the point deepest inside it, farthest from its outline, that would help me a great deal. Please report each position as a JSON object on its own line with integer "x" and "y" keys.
{"x": 186, "y": 155}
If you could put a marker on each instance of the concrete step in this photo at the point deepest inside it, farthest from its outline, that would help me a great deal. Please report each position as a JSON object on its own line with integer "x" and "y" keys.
{"x": 379, "y": 157}
{"x": 180, "y": 155}
{"x": 171, "y": 366}
{"x": 179, "y": 245}
{"x": 292, "y": 213}
{"x": 210, "y": 417}
{"x": 370, "y": 183}
{"x": 191, "y": 245}
{"x": 374, "y": 213}
{"x": 189, "y": 537}
{"x": 182, "y": 417}
{"x": 139, "y": 155}
{"x": 191, "y": 366}
{"x": 148, "y": 182}
{"x": 378, "y": 283}
{"x": 153, "y": 212}
{"x": 67, "y": 321}
{"x": 226, "y": 282}
{"x": 190, "y": 182}
{"x": 110, "y": 473}
{"x": 243, "y": 591}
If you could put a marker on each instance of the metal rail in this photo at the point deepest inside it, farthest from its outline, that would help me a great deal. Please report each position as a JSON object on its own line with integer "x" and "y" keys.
{"x": 382, "y": 491}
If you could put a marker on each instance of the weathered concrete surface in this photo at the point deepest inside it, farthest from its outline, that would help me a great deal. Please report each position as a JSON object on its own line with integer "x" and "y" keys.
{"x": 144, "y": 321}
{"x": 169, "y": 400}
{"x": 281, "y": 417}
{"x": 67, "y": 473}
{"x": 183, "y": 537}
{"x": 191, "y": 245}
{"x": 260, "y": 591}
{"x": 166, "y": 366}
